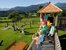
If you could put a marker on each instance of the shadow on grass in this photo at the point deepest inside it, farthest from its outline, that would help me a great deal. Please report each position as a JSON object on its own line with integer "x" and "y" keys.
{"x": 1, "y": 45}
{"x": 63, "y": 41}
{"x": 31, "y": 28}
{"x": 28, "y": 33}
{"x": 1, "y": 42}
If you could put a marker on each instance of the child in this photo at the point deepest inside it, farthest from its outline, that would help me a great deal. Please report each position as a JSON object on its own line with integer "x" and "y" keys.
{"x": 43, "y": 30}
{"x": 41, "y": 36}
{"x": 37, "y": 39}
{"x": 51, "y": 32}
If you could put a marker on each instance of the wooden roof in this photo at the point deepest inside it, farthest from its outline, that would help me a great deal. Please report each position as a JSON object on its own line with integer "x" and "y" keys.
{"x": 49, "y": 8}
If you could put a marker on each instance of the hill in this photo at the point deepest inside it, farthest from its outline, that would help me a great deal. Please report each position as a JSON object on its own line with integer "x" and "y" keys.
{"x": 35, "y": 7}
{"x": 32, "y": 8}
{"x": 61, "y": 5}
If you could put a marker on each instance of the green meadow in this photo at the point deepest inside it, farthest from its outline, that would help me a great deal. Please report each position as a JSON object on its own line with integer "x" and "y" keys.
{"x": 8, "y": 36}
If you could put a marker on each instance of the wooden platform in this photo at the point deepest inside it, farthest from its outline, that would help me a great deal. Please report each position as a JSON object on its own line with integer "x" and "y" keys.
{"x": 47, "y": 46}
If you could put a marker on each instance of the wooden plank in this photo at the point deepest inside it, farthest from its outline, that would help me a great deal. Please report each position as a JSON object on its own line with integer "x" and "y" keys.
{"x": 47, "y": 46}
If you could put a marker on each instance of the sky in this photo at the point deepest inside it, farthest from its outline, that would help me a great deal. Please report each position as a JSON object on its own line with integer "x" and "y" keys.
{"x": 14, "y": 3}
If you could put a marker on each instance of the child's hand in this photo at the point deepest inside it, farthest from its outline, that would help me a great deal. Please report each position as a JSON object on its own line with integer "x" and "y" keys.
{"x": 32, "y": 36}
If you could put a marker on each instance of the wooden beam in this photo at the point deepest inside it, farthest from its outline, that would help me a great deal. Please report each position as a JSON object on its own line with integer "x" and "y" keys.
{"x": 56, "y": 20}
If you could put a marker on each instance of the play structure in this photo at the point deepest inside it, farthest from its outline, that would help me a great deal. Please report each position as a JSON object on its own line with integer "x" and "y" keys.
{"x": 49, "y": 12}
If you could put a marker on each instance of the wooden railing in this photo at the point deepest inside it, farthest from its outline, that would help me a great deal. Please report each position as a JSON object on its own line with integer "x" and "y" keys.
{"x": 32, "y": 46}
{"x": 57, "y": 42}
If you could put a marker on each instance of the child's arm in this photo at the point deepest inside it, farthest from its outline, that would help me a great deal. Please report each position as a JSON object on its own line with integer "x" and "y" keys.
{"x": 33, "y": 36}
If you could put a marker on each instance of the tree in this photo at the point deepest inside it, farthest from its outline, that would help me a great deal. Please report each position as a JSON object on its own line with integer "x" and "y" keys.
{"x": 39, "y": 8}
{"x": 64, "y": 12}
{"x": 15, "y": 16}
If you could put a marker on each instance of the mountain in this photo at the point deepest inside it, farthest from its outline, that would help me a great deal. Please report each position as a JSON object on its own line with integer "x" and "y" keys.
{"x": 61, "y": 5}
{"x": 4, "y": 9}
{"x": 35, "y": 7}
{"x": 32, "y": 8}
{"x": 27, "y": 9}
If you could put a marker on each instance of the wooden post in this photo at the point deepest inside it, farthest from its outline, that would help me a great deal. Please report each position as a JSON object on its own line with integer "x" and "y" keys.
{"x": 30, "y": 24}
{"x": 56, "y": 20}
{"x": 40, "y": 18}
{"x": 40, "y": 15}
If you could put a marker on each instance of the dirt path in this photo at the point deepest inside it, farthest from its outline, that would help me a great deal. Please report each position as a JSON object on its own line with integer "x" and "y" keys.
{"x": 19, "y": 46}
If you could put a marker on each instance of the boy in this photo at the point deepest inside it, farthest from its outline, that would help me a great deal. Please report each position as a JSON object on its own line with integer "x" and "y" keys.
{"x": 51, "y": 32}
{"x": 37, "y": 39}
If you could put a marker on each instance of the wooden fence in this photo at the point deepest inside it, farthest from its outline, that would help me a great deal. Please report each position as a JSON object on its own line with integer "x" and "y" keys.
{"x": 57, "y": 42}
{"x": 32, "y": 46}
{"x": 61, "y": 23}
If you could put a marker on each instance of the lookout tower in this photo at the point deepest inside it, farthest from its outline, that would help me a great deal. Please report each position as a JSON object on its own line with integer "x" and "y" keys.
{"x": 52, "y": 9}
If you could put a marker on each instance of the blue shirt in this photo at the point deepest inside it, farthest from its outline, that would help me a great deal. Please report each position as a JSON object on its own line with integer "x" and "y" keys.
{"x": 41, "y": 38}
{"x": 45, "y": 17}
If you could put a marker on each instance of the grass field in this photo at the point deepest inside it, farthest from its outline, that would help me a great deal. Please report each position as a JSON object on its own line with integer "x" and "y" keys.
{"x": 61, "y": 32}
{"x": 8, "y": 36}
